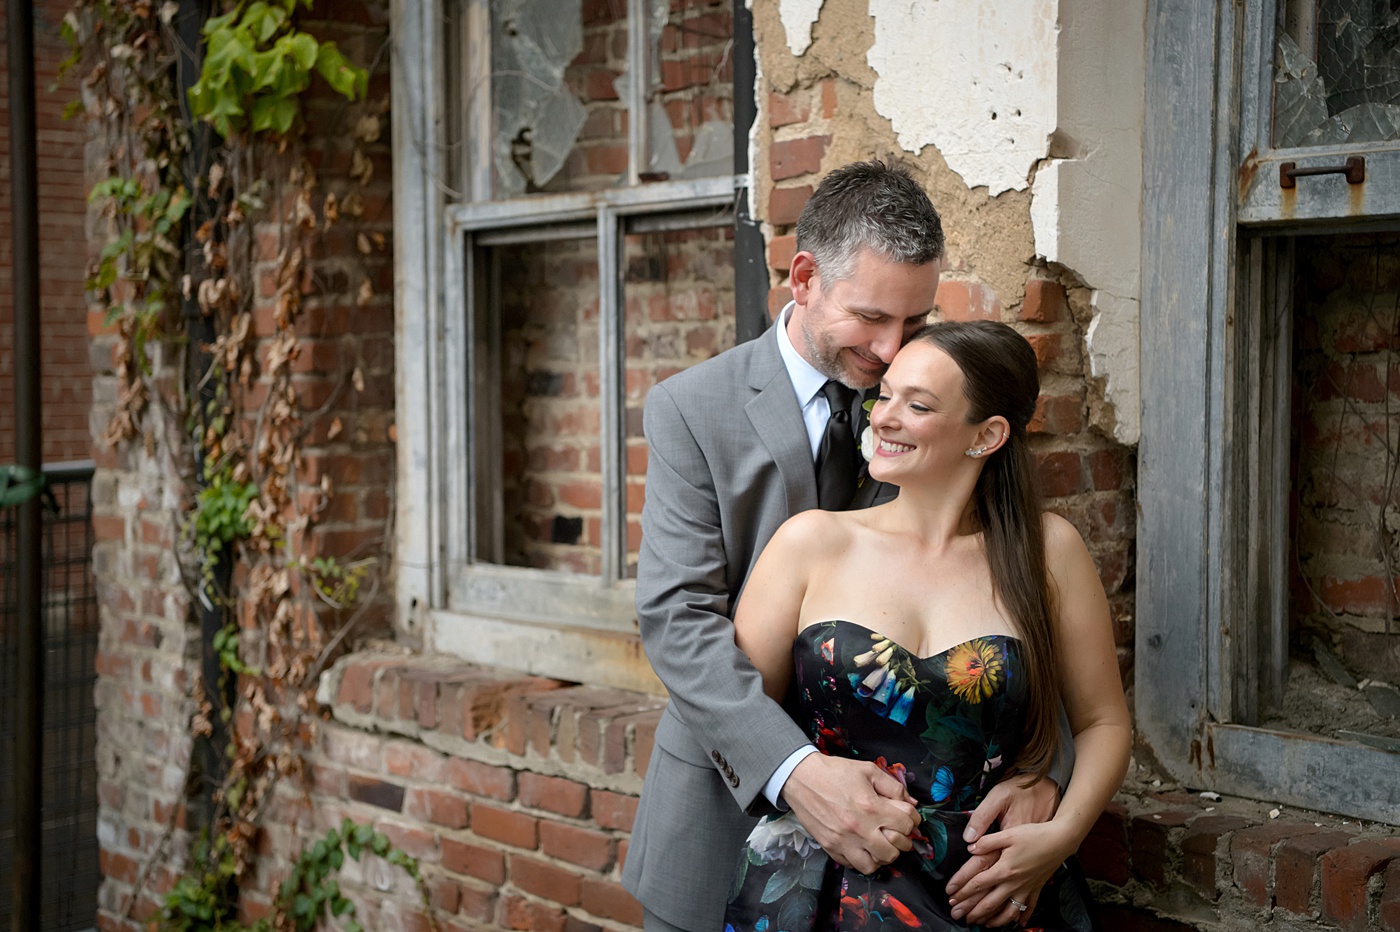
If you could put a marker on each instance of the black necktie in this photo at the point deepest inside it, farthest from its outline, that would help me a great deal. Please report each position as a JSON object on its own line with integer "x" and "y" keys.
{"x": 836, "y": 457}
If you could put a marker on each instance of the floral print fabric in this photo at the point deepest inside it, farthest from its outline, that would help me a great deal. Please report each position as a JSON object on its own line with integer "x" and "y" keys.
{"x": 948, "y": 727}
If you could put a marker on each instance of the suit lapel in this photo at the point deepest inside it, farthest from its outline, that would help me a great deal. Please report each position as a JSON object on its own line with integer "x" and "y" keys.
{"x": 777, "y": 420}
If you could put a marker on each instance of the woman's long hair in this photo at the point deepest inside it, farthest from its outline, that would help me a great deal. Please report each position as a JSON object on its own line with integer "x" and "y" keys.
{"x": 999, "y": 378}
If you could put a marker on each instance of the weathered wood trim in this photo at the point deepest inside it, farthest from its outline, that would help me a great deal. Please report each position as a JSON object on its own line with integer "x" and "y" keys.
{"x": 416, "y": 115}
{"x": 584, "y": 655}
{"x": 1301, "y": 770}
{"x": 1173, "y": 492}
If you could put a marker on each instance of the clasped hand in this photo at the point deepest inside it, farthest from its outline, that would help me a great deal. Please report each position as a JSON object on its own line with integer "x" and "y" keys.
{"x": 860, "y": 815}
{"x": 1013, "y": 863}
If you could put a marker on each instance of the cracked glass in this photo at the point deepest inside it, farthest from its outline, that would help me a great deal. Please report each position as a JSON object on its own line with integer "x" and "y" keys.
{"x": 1337, "y": 73}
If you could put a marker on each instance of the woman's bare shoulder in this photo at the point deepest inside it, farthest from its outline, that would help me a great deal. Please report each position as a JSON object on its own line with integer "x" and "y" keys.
{"x": 817, "y": 531}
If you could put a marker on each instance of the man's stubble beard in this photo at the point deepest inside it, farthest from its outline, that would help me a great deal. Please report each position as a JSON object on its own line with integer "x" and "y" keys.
{"x": 826, "y": 358}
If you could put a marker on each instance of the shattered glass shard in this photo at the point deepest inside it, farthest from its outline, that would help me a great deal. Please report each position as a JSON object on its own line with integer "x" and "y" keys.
{"x": 1362, "y": 123}
{"x": 712, "y": 152}
{"x": 537, "y": 116}
{"x": 1300, "y": 96}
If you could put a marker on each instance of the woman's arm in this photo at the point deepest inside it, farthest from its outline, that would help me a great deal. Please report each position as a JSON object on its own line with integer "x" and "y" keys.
{"x": 1092, "y": 691}
{"x": 766, "y": 620}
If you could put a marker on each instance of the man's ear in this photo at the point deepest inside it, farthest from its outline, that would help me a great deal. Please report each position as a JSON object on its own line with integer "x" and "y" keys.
{"x": 802, "y": 277}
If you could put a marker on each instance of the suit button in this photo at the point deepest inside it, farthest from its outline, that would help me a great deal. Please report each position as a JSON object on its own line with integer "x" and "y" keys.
{"x": 716, "y": 757}
{"x": 733, "y": 779}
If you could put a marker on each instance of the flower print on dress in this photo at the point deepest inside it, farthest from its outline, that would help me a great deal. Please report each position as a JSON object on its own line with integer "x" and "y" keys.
{"x": 974, "y": 669}
{"x": 777, "y": 836}
{"x": 886, "y": 690}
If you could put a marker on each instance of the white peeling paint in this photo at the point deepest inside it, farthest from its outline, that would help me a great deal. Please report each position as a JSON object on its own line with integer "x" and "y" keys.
{"x": 798, "y": 17}
{"x": 977, "y": 80}
{"x": 1086, "y": 206}
{"x": 1114, "y": 356}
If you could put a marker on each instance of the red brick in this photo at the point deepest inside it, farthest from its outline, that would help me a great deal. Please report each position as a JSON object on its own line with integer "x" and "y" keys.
{"x": 443, "y": 894}
{"x": 545, "y": 880}
{"x": 520, "y": 913}
{"x": 1044, "y": 302}
{"x": 1150, "y": 843}
{"x": 1295, "y": 868}
{"x": 778, "y": 299}
{"x": 436, "y": 806}
{"x": 476, "y": 904}
{"x": 608, "y": 900}
{"x": 828, "y": 98}
{"x": 1060, "y": 473}
{"x": 613, "y": 810}
{"x": 486, "y": 864}
{"x": 553, "y": 793}
{"x": 785, "y": 205}
{"x": 402, "y": 759}
{"x": 374, "y": 792}
{"x": 581, "y": 846}
{"x": 1048, "y": 348}
{"x": 1104, "y": 853}
{"x": 503, "y": 825}
{"x": 480, "y": 779}
{"x": 1251, "y": 852}
{"x": 781, "y": 249}
{"x": 1199, "y": 846}
{"x": 967, "y": 300}
{"x": 783, "y": 110}
{"x": 797, "y": 156}
{"x": 357, "y": 682}
{"x": 1388, "y": 912}
{"x": 413, "y": 840}
{"x": 1057, "y": 414}
{"x": 1346, "y": 875}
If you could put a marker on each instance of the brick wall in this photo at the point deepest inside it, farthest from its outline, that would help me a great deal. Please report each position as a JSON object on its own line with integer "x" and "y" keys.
{"x": 678, "y": 289}
{"x": 66, "y": 387}
{"x": 1346, "y": 393}
{"x": 343, "y": 377}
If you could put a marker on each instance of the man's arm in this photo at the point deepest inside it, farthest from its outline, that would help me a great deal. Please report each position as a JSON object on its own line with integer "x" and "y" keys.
{"x": 854, "y": 810}
{"x": 683, "y": 612}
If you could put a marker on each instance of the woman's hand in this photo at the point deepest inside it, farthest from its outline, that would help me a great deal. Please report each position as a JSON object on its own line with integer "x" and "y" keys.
{"x": 1025, "y": 858}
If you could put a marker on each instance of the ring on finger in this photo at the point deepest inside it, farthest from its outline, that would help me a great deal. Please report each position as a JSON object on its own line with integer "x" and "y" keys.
{"x": 1016, "y": 903}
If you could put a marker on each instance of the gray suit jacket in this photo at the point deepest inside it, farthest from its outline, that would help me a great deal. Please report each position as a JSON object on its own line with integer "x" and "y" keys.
{"x": 729, "y": 463}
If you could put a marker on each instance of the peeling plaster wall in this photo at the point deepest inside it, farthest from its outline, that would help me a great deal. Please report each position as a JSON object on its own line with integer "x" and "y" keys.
{"x": 976, "y": 80}
{"x": 1086, "y": 205}
{"x": 1037, "y": 96}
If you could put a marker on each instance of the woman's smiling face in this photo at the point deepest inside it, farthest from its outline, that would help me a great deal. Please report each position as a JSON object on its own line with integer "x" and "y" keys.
{"x": 920, "y": 417}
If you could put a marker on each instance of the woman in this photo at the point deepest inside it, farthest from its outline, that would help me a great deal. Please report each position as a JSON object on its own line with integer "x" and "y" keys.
{"x": 931, "y": 635}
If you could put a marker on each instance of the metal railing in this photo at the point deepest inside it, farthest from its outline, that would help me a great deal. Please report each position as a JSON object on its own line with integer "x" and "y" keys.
{"x": 69, "y": 784}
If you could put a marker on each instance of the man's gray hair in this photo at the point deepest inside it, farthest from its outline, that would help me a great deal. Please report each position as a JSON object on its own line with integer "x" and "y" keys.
{"x": 869, "y": 205}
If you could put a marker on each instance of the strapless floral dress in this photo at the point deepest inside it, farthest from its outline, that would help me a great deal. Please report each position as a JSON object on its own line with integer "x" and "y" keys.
{"x": 948, "y": 727}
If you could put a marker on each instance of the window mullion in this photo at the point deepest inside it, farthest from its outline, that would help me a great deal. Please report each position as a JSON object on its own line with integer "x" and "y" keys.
{"x": 638, "y": 88}
{"x": 479, "y": 124}
{"x": 610, "y": 373}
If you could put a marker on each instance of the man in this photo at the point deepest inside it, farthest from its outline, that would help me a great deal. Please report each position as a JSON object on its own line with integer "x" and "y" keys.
{"x": 738, "y": 444}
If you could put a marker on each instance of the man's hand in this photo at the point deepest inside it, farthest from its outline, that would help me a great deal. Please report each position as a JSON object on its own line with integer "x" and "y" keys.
{"x": 1010, "y": 804}
{"x": 860, "y": 815}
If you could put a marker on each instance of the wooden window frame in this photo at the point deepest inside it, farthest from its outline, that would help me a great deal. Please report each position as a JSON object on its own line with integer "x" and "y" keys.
{"x": 1211, "y": 470}
{"x": 449, "y": 598}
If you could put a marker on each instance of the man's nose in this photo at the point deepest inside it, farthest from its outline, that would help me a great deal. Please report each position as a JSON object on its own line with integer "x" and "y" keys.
{"x": 888, "y": 341}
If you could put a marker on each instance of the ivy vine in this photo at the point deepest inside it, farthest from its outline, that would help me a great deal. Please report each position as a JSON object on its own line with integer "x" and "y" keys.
{"x": 233, "y": 426}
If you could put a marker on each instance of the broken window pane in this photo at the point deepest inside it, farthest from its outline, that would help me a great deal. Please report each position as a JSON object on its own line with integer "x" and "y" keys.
{"x": 1337, "y": 73}
{"x": 551, "y": 482}
{"x": 694, "y": 88}
{"x": 558, "y": 124}
{"x": 1345, "y": 538}
{"x": 679, "y": 293}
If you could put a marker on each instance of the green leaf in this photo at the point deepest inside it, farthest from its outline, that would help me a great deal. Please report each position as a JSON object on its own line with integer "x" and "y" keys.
{"x": 379, "y": 844}
{"x": 339, "y": 906}
{"x": 304, "y": 50}
{"x": 353, "y": 926}
{"x": 339, "y": 73}
{"x": 274, "y": 113}
{"x": 337, "y": 858}
{"x": 353, "y": 847}
{"x": 778, "y": 884}
{"x": 304, "y": 907}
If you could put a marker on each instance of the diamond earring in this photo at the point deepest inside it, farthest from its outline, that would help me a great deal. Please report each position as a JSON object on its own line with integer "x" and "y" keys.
{"x": 975, "y": 453}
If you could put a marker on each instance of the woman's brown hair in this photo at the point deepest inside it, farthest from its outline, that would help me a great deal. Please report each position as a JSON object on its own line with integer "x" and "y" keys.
{"x": 1000, "y": 378}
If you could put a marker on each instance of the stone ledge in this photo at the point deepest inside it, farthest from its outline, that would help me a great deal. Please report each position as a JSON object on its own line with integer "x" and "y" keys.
{"x": 496, "y": 716}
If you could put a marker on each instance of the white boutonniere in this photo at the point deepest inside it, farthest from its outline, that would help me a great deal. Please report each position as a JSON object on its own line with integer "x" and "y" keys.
{"x": 867, "y": 436}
